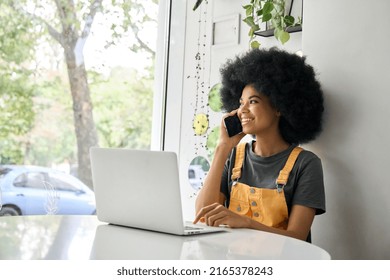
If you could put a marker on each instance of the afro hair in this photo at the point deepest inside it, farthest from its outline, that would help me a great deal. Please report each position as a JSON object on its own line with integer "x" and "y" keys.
{"x": 287, "y": 80}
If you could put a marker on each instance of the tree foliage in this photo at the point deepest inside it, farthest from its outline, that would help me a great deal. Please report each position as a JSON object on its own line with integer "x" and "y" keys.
{"x": 16, "y": 90}
{"x": 49, "y": 33}
{"x": 123, "y": 109}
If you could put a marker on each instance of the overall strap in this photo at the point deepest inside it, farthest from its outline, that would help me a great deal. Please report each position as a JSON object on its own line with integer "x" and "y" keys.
{"x": 240, "y": 155}
{"x": 285, "y": 172}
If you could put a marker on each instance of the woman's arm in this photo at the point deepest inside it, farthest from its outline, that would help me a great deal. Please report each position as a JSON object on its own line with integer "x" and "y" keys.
{"x": 299, "y": 224}
{"x": 210, "y": 192}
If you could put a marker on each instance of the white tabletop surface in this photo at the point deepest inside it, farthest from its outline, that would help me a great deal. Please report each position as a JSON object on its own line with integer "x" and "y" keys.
{"x": 84, "y": 237}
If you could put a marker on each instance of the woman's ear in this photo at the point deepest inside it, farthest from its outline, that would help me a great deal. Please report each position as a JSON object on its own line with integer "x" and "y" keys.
{"x": 278, "y": 114}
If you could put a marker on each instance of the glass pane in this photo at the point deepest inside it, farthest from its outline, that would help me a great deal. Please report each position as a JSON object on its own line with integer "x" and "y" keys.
{"x": 197, "y": 172}
{"x": 60, "y": 182}
{"x": 72, "y": 77}
{"x": 34, "y": 180}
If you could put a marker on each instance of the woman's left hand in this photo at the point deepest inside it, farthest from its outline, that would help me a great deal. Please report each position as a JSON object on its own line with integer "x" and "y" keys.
{"x": 217, "y": 215}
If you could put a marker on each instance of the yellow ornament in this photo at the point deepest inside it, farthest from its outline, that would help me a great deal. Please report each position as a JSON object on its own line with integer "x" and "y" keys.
{"x": 200, "y": 124}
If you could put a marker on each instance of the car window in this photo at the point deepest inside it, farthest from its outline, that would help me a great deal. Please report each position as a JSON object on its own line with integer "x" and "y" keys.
{"x": 34, "y": 180}
{"x": 64, "y": 183}
{"x": 3, "y": 172}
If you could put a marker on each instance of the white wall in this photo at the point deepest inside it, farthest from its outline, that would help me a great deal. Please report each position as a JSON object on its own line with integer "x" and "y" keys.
{"x": 348, "y": 44}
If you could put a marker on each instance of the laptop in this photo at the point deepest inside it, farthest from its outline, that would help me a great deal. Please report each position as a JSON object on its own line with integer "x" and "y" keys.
{"x": 140, "y": 189}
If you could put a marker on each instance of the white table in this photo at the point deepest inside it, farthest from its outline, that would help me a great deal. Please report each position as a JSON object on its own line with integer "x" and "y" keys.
{"x": 84, "y": 237}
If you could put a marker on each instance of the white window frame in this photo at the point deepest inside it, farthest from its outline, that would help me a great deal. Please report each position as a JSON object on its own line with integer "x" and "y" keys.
{"x": 168, "y": 76}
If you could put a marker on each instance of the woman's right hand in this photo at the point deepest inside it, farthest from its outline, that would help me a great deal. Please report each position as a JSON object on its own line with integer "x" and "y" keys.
{"x": 224, "y": 138}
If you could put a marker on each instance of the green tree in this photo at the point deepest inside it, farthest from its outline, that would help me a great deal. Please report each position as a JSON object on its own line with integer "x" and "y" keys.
{"x": 69, "y": 23}
{"x": 52, "y": 139}
{"x": 123, "y": 109}
{"x": 16, "y": 91}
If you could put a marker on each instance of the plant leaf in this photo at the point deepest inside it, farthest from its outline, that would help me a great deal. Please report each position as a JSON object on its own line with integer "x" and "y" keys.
{"x": 268, "y": 7}
{"x": 255, "y": 44}
{"x": 253, "y": 30}
{"x": 251, "y": 33}
{"x": 277, "y": 33}
{"x": 249, "y": 10}
{"x": 284, "y": 36}
{"x": 249, "y": 21}
{"x": 289, "y": 20}
{"x": 266, "y": 17}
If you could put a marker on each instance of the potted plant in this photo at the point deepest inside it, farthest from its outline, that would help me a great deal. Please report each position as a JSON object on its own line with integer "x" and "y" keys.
{"x": 271, "y": 13}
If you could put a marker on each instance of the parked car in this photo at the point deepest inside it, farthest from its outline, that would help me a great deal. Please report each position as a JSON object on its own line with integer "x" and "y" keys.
{"x": 196, "y": 176}
{"x": 33, "y": 190}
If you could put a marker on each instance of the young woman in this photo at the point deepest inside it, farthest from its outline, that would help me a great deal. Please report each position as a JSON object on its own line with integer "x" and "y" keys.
{"x": 270, "y": 183}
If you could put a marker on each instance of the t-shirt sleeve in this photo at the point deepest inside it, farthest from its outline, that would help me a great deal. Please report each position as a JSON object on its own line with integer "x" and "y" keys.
{"x": 310, "y": 186}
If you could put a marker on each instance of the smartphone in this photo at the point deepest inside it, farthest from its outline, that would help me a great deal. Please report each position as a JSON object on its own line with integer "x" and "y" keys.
{"x": 233, "y": 125}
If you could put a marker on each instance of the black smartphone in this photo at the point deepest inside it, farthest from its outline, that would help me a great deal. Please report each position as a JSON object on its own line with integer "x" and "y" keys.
{"x": 233, "y": 125}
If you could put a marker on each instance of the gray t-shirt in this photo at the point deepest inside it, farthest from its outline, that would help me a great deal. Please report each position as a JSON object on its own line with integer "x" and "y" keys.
{"x": 305, "y": 184}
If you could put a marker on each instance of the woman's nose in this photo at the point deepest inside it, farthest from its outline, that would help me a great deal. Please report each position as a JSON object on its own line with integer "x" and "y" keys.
{"x": 243, "y": 107}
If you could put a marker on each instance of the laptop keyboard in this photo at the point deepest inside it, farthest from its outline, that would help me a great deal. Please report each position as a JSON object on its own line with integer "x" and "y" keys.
{"x": 192, "y": 228}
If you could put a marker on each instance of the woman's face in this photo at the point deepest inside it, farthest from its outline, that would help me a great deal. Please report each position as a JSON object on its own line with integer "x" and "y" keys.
{"x": 257, "y": 115}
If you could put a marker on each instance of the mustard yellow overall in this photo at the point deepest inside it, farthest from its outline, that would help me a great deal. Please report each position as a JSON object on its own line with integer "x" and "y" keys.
{"x": 267, "y": 206}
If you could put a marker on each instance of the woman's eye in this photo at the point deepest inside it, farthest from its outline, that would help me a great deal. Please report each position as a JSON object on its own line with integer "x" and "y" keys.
{"x": 253, "y": 102}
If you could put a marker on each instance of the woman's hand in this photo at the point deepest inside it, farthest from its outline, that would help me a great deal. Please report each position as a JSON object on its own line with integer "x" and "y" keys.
{"x": 224, "y": 138}
{"x": 216, "y": 215}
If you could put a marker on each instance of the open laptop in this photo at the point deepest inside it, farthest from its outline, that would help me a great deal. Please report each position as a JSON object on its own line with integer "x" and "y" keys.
{"x": 140, "y": 189}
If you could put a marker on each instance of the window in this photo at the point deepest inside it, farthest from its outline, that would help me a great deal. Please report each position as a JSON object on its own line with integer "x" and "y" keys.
{"x": 34, "y": 180}
{"x": 60, "y": 182}
{"x": 63, "y": 92}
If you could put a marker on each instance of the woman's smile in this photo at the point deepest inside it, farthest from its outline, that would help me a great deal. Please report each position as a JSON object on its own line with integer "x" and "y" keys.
{"x": 245, "y": 121}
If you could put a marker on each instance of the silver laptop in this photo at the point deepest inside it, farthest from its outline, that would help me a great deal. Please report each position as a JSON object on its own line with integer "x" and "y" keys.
{"x": 140, "y": 189}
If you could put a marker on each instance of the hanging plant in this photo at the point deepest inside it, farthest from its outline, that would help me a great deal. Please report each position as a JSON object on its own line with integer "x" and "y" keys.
{"x": 272, "y": 14}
